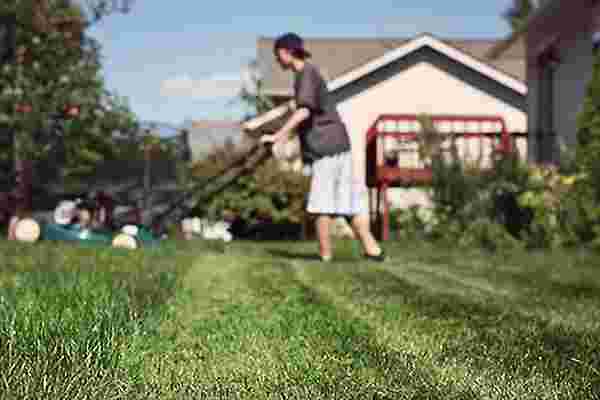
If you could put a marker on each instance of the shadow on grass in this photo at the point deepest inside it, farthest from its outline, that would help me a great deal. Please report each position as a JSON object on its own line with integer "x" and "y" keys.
{"x": 293, "y": 255}
{"x": 342, "y": 254}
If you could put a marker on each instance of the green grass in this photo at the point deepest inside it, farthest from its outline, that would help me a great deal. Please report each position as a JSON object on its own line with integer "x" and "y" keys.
{"x": 262, "y": 320}
{"x": 65, "y": 311}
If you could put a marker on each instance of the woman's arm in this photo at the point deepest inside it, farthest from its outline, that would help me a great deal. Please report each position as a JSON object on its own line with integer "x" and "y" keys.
{"x": 296, "y": 119}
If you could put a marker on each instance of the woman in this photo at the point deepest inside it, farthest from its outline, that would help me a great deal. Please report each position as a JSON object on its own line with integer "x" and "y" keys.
{"x": 325, "y": 145}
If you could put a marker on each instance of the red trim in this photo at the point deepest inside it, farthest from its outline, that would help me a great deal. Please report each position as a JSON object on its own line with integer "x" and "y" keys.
{"x": 383, "y": 177}
{"x": 386, "y": 213}
{"x": 404, "y": 176}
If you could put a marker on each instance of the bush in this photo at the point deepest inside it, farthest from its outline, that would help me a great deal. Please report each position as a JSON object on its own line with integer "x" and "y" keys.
{"x": 585, "y": 199}
{"x": 511, "y": 201}
{"x": 588, "y": 124}
{"x": 468, "y": 196}
{"x": 487, "y": 234}
{"x": 267, "y": 194}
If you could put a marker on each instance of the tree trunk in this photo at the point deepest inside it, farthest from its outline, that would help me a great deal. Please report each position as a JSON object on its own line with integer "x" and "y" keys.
{"x": 147, "y": 179}
{"x": 24, "y": 177}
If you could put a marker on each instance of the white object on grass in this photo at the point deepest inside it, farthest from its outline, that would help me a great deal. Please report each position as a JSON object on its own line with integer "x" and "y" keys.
{"x": 218, "y": 230}
{"x": 196, "y": 225}
{"x": 124, "y": 241}
{"x": 27, "y": 230}
{"x": 64, "y": 212}
{"x": 130, "y": 230}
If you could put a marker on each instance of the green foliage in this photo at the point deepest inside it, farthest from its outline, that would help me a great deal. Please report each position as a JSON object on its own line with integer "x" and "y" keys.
{"x": 586, "y": 197}
{"x": 537, "y": 205}
{"x": 268, "y": 193}
{"x": 53, "y": 94}
{"x": 97, "y": 9}
{"x": 518, "y": 13}
{"x": 588, "y": 123}
{"x": 429, "y": 140}
{"x": 252, "y": 94}
{"x": 452, "y": 188}
{"x": 485, "y": 233}
{"x": 509, "y": 204}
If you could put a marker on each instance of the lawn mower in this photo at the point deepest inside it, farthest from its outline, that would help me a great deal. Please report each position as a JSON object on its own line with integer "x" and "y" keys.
{"x": 95, "y": 221}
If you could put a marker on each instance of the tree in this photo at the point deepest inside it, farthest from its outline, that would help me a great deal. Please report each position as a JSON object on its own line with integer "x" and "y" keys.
{"x": 97, "y": 9}
{"x": 586, "y": 193}
{"x": 264, "y": 194}
{"x": 518, "y": 12}
{"x": 251, "y": 94}
{"x": 588, "y": 133}
{"x": 53, "y": 94}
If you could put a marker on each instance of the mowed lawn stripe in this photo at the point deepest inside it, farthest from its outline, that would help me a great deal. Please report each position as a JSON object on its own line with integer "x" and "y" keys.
{"x": 263, "y": 321}
{"x": 258, "y": 328}
{"x": 490, "y": 341}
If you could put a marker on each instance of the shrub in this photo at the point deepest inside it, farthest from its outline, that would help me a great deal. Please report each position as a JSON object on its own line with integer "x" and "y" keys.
{"x": 588, "y": 124}
{"x": 585, "y": 199}
{"x": 487, "y": 234}
{"x": 508, "y": 202}
{"x": 267, "y": 194}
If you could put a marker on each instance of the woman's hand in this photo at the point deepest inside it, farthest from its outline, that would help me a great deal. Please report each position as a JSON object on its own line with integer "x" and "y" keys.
{"x": 268, "y": 139}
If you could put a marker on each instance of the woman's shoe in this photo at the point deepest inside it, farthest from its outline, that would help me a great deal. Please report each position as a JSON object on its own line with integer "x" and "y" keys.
{"x": 379, "y": 257}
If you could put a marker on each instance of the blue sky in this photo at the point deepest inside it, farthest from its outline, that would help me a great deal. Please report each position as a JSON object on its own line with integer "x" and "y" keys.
{"x": 184, "y": 59}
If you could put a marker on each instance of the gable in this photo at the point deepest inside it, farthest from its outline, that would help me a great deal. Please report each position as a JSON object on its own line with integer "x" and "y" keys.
{"x": 336, "y": 57}
{"x": 422, "y": 49}
{"x": 448, "y": 67}
{"x": 404, "y": 93}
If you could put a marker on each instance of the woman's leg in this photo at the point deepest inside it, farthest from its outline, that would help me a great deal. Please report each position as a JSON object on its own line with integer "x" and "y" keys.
{"x": 322, "y": 201}
{"x": 323, "y": 235}
{"x": 361, "y": 226}
{"x": 358, "y": 211}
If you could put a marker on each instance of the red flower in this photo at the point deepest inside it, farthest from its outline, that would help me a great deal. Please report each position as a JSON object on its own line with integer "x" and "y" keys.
{"x": 72, "y": 111}
{"x": 24, "y": 108}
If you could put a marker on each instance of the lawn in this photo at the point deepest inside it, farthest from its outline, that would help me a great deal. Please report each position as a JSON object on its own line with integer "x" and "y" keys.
{"x": 264, "y": 320}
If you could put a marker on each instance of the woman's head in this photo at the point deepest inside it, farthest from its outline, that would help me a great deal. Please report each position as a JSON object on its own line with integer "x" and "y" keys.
{"x": 288, "y": 47}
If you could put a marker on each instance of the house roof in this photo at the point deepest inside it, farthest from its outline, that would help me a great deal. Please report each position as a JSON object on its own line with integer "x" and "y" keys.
{"x": 393, "y": 51}
{"x": 336, "y": 57}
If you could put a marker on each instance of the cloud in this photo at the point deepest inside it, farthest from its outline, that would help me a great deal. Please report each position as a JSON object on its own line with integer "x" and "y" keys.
{"x": 207, "y": 88}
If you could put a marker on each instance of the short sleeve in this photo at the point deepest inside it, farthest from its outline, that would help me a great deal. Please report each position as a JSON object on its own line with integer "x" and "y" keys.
{"x": 307, "y": 90}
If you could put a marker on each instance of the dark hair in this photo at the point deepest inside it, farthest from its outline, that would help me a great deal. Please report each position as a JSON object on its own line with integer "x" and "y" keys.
{"x": 293, "y": 43}
{"x": 299, "y": 53}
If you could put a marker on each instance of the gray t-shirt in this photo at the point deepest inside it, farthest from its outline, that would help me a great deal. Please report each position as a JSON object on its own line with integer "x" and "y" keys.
{"x": 323, "y": 133}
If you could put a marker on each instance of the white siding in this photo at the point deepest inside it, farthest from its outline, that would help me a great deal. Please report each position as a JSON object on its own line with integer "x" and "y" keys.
{"x": 423, "y": 88}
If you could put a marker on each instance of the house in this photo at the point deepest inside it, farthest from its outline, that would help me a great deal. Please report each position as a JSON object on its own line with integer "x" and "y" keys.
{"x": 423, "y": 74}
{"x": 560, "y": 37}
